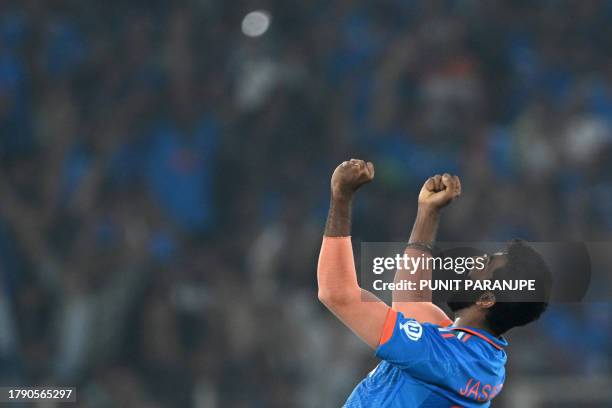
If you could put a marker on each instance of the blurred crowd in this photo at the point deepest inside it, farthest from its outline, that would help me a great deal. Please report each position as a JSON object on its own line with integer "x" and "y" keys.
{"x": 164, "y": 180}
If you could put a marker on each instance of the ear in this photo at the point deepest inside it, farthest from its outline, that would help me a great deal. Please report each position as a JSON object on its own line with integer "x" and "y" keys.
{"x": 486, "y": 301}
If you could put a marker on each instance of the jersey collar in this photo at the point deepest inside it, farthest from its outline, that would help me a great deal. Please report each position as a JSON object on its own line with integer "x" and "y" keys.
{"x": 497, "y": 342}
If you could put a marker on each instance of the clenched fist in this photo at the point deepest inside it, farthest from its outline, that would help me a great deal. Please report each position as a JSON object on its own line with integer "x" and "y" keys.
{"x": 349, "y": 176}
{"x": 438, "y": 191}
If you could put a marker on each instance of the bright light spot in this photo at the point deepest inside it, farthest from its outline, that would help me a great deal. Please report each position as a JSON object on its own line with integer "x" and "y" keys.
{"x": 255, "y": 23}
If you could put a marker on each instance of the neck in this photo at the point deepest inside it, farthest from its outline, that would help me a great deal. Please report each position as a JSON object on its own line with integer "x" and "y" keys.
{"x": 476, "y": 322}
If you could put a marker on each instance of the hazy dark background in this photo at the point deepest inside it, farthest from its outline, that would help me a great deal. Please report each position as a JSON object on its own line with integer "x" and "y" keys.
{"x": 164, "y": 183}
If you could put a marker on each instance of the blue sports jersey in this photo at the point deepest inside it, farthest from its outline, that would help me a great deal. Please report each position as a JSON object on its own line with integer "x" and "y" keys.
{"x": 427, "y": 366}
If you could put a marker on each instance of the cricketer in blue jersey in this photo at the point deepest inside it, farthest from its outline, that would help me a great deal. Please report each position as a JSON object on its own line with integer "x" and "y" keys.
{"x": 428, "y": 361}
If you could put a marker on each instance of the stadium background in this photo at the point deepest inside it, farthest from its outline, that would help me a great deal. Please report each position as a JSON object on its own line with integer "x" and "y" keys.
{"x": 164, "y": 183}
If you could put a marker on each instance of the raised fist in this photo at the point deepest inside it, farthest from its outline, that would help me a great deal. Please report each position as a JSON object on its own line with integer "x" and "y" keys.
{"x": 350, "y": 175}
{"x": 439, "y": 190}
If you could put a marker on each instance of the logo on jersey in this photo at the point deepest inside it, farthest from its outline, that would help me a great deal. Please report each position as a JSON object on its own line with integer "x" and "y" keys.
{"x": 412, "y": 329}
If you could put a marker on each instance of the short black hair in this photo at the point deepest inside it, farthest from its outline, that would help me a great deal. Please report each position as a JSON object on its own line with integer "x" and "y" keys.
{"x": 512, "y": 309}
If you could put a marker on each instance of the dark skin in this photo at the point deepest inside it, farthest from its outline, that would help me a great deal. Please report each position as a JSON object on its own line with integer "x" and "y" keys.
{"x": 475, "y": 315}
{"x": 437, "y": 192}
{"x": 339, "y": 290}
{"x": 346, "y": 180}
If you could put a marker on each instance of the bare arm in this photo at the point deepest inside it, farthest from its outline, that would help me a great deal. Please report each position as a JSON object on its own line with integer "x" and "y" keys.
{"x": 437, "y": 192}
{"x": 339, "y": 290}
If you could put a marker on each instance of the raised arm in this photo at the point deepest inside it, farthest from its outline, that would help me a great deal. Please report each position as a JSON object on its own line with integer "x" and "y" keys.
{"x": 437, "y": 192}
{"x": 339, "y": 290}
